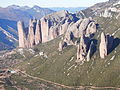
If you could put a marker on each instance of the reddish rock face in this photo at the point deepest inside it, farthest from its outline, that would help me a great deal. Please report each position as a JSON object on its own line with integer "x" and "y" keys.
{"x": 21, "y": 34}
{"x": 38, "y": 33}
{"x": 31, "y": 35}
{"x": 44, "y": 29}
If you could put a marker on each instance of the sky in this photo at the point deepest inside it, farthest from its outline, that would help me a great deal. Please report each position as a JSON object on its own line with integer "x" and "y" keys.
{"x": 50, "y": 3}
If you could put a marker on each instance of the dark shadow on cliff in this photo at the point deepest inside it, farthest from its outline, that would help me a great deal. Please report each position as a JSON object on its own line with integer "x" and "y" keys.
{"x": 93, "y": 45}
{"x": 116, "y": 43}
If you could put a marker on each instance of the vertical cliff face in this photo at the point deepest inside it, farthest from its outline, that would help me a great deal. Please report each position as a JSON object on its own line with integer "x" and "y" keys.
{"x": 38, "y": 33}
{"x": 44, "y": 29}
{"x": 81, "y": 50}
{"x": 31, "y": 39}
{"x": 21, "y": 33}
{"x": 103, "y": 46}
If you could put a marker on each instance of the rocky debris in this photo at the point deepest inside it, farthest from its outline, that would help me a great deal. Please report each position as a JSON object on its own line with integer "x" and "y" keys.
{"x": 21, "y": 52}
{"x": 60, "y": 46}
{"x": 41, "y": 53}
{"x": 31, "y": 51}
{"x": 103, "y": 46}
{"x": 21, "y": 33}
{"x": 106, "y": 13}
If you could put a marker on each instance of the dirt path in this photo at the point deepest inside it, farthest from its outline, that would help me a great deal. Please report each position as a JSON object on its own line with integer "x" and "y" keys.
{"x": 69, "y": 87}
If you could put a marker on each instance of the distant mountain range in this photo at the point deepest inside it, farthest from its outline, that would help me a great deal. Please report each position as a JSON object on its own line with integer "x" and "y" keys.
{"x": 70, "y": 9}
{"x": 24, "y": 13}
{"x": 8, "y": 22}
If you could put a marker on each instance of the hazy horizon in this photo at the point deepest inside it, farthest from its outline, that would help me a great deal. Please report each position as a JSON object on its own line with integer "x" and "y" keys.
{"x": 51, "y": 3}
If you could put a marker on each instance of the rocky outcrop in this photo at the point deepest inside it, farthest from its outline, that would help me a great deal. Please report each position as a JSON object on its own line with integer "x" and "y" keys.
{"x": 106, "y": 13}
{"x": 60, "y": 46}
{"x": 83, "y": 26}
{"x": 44, "y": 29}
{"x": 103, "y": 46}
{"x": 81, "y": 50}
{"x": 21, "y": 34}
{"x": 47, "y": 28}
{"x": 31, "y": 35}
{"x": 38, "y": 33}
{"x": 91, "y": 29}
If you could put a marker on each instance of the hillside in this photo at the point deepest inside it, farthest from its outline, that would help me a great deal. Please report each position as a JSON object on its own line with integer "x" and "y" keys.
{"x": 57, "y": 65}
{"x": 8, "y": 34}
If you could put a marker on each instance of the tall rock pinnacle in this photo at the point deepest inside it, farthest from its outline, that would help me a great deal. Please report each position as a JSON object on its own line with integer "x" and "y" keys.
{"x": 103, "y": 46}
{"x": 81, "y": 50}
{"x": 21, "y": 33}
{"x": 31, "y": 40}
{"x": 45, "y": 29}
{"x": 38, "y": 33}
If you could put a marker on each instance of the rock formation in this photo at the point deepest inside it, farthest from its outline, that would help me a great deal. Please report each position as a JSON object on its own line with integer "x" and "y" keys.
{"x": 91, "y": 29}
{"x": 38, "y": 33}
{"x": 60, "y": 46}
{"x": 46, "y": 29}
{"x": 106, "y": 13}
{"x": 81, "y": 50}
{"x": 31, "y": 36}
{"x": 56, "y": 24}
{"x": 103, "y": 46}
{"x": 21, "y": 33}
{"x": 83, "y": 26}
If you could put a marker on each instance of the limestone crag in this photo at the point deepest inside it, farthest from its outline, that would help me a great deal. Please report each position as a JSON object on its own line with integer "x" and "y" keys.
{"x": 47, "y": 28}
{"x": 44, "y": 29}
{"x": 38, "y": 33}
{"x": 103, "y": 46}
{"x": 85, "y": 27}
{"x": 81, "y": 50}
{"x": 91, "y": 29}
{"x": 21, "y": 33}
{"x": 31, "y": 35}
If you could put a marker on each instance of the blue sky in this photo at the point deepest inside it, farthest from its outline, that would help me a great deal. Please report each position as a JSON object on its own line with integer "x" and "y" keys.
{"x": 50, "y": 3}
